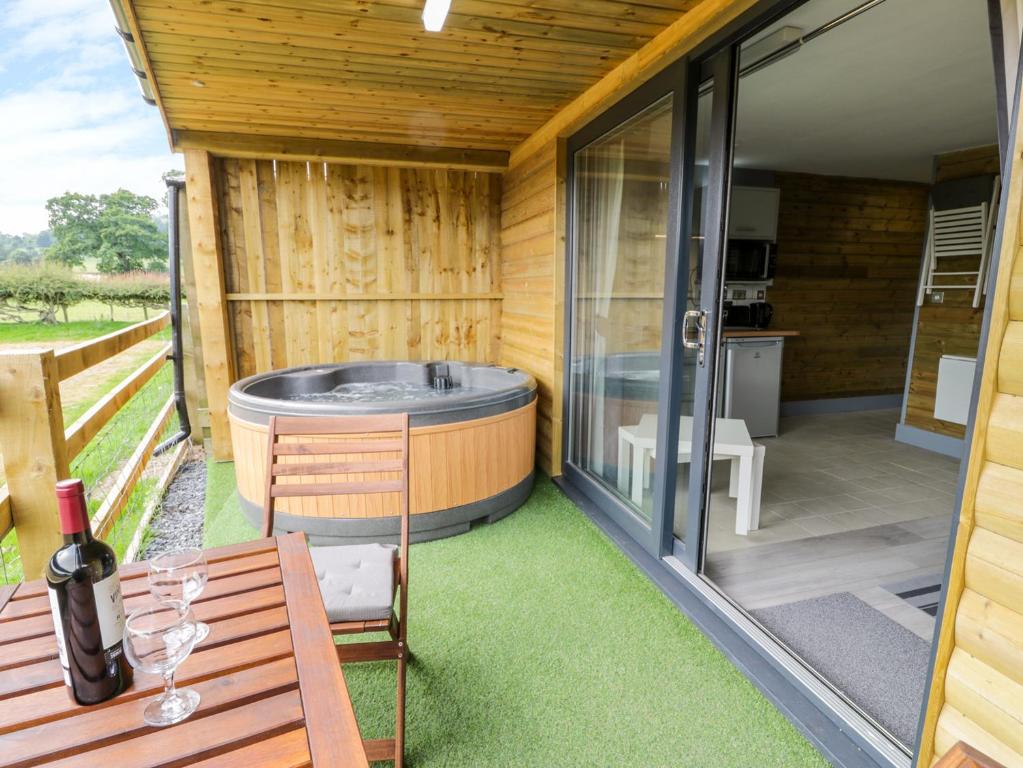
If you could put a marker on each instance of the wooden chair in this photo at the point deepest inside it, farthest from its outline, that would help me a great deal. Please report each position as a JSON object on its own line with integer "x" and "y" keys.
{"x": 358, "y": 582}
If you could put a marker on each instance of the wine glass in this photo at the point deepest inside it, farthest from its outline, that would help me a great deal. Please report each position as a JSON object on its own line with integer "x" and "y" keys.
{"x": 157, "y": 639}
{"x": 180, "y": 575}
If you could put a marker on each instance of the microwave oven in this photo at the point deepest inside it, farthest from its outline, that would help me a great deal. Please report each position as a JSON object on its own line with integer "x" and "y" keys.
{"x": 749, "y": 261}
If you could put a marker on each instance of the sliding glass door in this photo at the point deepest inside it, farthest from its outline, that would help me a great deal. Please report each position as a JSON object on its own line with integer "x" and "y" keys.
{"x": 636, "y": 318}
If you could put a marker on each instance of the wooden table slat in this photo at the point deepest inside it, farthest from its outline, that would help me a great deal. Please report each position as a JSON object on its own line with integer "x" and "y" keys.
{"x": 52, "y": 703}
{"x": 231, "y": 586}
{"x": 43, "y": 647}
{"x": 97, "y": 727}
{"x": 140, "y": 569}
{"x": 138, "y": 586}
{"x": 42, "y": 674}
{"x": 289, "y": 750}
{"x": 195, "y": 739}
{"x": 272, "y": 692}
{"x": 333, "y": 731}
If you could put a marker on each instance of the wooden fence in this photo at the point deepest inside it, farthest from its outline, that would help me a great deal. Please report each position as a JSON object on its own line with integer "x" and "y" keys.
{"x": 37, "y": 449}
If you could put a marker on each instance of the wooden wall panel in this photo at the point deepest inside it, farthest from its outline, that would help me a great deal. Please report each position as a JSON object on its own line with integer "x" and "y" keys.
{"x": 328, "y": 263}
{"x": 848, "y": 260}
{"x": 976, "y": 688}
{"x": 952, "y": 327}
{"x": 532, "y": 265}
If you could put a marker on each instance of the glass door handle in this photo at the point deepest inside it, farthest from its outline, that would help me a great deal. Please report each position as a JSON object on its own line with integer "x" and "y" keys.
{"x": 694, "y": 332}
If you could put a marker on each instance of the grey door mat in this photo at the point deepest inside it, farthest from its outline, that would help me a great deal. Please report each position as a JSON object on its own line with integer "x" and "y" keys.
{"x": 879, "y": 664}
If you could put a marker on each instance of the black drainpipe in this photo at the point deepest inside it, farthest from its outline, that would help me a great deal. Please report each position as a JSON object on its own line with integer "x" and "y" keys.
{"x": 174, "y": 186}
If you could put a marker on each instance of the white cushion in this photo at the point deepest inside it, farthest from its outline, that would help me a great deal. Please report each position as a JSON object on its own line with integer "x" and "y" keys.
{"x": 356, "y": 581}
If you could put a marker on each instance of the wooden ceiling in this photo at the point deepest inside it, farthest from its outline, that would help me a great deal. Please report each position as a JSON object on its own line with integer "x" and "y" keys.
{"x": 366, "y": 71}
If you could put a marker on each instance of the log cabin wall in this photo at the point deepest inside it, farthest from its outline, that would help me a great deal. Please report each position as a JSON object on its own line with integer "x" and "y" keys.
{"x": 328, "y": 263}
{"x": 532, "y": 282}
{"x": 848, "y": 260}
{"x": 976, "y": 691}
{"x": 953, "y": 326}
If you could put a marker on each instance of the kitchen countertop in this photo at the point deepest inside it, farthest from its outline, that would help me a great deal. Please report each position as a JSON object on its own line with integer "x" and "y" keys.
{"x": 752, "y": 333}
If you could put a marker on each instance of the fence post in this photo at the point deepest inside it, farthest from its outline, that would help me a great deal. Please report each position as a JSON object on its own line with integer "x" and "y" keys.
{"x": 35, "y": 456}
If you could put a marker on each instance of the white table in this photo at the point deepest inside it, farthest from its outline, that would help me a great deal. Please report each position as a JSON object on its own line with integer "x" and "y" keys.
{"x": 731, "y": 441}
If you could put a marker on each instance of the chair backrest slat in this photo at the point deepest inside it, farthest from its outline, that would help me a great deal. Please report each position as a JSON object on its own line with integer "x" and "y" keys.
{"x": 347, "y": 447}
{"x": 340, "y": 425}
{"x": 339, "y": 467}
{"x": 373, "y": 435}
{"x": 337, "y": 489}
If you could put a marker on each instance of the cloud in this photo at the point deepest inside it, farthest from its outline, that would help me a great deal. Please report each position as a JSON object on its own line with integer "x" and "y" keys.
{"x": 73, "y": 118}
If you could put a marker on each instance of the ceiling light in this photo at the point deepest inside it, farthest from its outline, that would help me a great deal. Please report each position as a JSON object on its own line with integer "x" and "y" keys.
{"x": 434, "y": 13}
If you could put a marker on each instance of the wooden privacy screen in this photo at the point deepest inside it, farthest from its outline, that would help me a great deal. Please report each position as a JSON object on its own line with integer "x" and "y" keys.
{"x": 328, "y": 263}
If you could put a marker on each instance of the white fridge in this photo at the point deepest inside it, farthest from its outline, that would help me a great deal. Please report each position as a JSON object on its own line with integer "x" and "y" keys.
{"x": 751, "y": 383}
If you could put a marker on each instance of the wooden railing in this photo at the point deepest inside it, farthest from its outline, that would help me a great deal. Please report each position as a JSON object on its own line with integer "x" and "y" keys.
{"x": 37, "y": 450}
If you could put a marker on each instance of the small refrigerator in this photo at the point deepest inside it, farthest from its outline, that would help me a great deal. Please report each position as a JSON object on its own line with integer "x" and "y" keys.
{"x": 751, "y": 387}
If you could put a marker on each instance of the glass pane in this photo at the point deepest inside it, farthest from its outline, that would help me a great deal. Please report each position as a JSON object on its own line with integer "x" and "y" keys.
{"x": 621, "y": 217}
{"x": 693, "y": 257}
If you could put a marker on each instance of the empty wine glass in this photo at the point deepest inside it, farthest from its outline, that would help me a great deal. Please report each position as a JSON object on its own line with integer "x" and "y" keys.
{"x": 157, "y": 639}
{"x": 180, "y": 576}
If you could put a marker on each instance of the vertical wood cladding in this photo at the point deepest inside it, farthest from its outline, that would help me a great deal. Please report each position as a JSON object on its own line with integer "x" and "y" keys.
{"x": 329, "y": 263}
{"x": 952, "y": 327}
{"x": 532, "y": 262}
{"x": 848, "y": 260}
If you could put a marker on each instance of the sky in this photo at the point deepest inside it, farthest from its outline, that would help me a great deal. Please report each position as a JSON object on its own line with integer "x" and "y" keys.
{"x": 72, "y": 117}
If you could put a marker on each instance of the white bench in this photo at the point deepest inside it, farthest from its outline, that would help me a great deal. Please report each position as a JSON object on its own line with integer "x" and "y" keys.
{"x": 731, "y": 441}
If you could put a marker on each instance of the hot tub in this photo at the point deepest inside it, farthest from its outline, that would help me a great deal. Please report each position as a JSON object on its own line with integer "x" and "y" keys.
{"x": 472, "y": 439}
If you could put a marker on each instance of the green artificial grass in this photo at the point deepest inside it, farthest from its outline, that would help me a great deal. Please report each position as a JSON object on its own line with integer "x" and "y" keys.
{"x": 537, "y": 643}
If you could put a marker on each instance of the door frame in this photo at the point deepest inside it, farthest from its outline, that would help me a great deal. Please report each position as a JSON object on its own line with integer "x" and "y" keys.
{"x": 671, "y": 80}
{"x": 722, "y": 66}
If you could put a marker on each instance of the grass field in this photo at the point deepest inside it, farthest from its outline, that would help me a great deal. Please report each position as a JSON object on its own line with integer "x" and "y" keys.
{"x": 537, "y": 643}
{"x": 76, "y": 330}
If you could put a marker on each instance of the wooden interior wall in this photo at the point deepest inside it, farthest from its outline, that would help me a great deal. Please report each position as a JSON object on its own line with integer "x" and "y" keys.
{"x": 952, "y": 327}
{"x": 328, "y": 263}
{"x": 977, "y": 687}
{"x": 532, "y": 281}
{"x": 848, "y": 260}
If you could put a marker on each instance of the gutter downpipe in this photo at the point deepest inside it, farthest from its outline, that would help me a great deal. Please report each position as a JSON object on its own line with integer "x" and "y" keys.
{"x": 174, "y": 186}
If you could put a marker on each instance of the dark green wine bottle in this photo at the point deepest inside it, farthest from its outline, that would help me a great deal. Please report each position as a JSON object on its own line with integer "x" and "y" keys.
{"x": 86, "y": 602}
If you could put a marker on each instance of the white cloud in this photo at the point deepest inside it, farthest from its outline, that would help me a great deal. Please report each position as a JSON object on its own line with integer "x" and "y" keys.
{"x": 72, "y": 117}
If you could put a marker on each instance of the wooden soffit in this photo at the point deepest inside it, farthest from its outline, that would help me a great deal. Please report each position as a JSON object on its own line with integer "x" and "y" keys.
{"x": 345, "y": 75}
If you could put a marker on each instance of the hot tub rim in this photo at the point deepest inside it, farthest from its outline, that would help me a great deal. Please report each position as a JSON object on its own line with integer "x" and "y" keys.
{"x": 258, "y": 410}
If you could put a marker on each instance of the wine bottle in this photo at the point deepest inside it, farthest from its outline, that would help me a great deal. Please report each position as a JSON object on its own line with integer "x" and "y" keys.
{"x": 86, "y": 603}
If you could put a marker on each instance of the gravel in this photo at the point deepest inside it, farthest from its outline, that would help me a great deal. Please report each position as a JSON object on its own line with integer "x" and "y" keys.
{"x": 179, "y": 520}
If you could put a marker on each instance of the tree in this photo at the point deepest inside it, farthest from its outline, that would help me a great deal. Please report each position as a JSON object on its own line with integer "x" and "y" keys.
{"x": 118, "y": 229}
{"x": 130, "y": 239}
{"x": 73, "y": 222}
{"x": 23, "y": 249}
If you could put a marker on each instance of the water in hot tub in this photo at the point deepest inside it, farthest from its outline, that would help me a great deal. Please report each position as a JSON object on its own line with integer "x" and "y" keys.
{"x": 381, "y": 391}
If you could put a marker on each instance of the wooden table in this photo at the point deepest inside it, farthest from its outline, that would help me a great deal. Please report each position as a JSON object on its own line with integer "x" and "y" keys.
{"x": 271, "y": 686}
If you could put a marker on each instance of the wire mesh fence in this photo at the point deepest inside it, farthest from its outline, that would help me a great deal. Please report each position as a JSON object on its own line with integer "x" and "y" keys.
{"x": 100, "y": 462}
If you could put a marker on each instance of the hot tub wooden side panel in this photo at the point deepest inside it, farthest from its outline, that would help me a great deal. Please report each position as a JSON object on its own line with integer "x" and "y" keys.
{"x": 451, "y": 465}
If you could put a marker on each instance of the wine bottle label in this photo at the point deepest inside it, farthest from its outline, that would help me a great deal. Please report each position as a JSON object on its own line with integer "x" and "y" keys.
{"x": 58, "y": 628}
{"x": 110, "y": 610}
